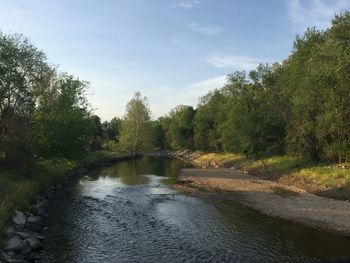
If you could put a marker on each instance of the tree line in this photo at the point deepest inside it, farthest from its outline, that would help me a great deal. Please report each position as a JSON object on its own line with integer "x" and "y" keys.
{"x": 297, "y": 107}
{"x": 300, "y": 106}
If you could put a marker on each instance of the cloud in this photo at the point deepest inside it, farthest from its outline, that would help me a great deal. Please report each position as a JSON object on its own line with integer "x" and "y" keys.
{"x": 185, "y": 4}
{"x": 162, "y": 100}
{"x": 202, "y": 87}
{"x": 236, "y": 62}
{"x": 205, "y": 30}
{"x": 315, "y": 13}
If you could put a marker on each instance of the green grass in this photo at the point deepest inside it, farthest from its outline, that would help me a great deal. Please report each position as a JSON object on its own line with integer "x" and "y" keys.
{"x": 20, "y": 187}
{"x": 224, "y": 159}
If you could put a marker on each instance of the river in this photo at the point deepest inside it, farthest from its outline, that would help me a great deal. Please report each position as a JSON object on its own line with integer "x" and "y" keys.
{"x": 129, "y": 213}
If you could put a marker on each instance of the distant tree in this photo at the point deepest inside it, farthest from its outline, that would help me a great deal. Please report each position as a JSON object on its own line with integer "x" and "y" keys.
{"x": 136, "y": 129}
{"x": 179, "y": 127}
{"x": 98, "y": 130}
{"x": 159, "y": 135}
{"x": 96, "y": 143}
{"x": 112, "y": 128}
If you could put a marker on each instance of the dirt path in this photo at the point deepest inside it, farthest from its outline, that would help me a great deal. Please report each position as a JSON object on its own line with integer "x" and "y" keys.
{"x": 271, "y": 198}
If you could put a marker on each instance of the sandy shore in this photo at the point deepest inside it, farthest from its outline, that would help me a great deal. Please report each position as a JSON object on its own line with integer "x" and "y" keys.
{"x": 270, "y": 197}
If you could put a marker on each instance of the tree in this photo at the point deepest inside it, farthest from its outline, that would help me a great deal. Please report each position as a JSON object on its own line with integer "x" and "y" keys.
{"x": 63, "y": 126}
{"x": 179, "y": 127}
{"x": 24, "y": 75}
{"x": 159, "y": 135}
{"x": 112, "y": 128}
{"x": 210, "y": 115}
{"x": 136, "y": 130}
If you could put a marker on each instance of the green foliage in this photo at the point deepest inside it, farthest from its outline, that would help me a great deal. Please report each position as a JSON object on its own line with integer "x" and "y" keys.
{"x": 179, "y": 127}
{"x": 210, "y": 115}
{"x": 112, "y": 128}
{"x": 63, "y": 126}
{"x": 159, "y": 135}
{"x": 24, "y": 73}
{"x": 136, "y": 129}
{"x": 42, "y": 114}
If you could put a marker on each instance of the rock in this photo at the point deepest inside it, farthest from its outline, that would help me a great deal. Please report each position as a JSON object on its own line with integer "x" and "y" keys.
{"x": 28, "y": 234}
{"x": 19, "y": 218}
{"x": 34, "y": 243}
{"x": 15, "y": 243}
{"x": 19, "y": 227}
{"x": 33, "y": 257}
{"x": 39, "y": 210}
{"x": 35, "y": 220}
{"x": 10, "y": 231}
{"x": 33, "y": 227}
{"x": 26, "y": 249}
{"x": 17, "y": 261}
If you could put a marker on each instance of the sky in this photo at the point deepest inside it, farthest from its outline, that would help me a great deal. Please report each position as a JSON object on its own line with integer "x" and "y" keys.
{"x": 172, "y": 51}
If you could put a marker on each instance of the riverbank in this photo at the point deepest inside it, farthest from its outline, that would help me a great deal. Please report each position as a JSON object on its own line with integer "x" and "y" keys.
{"x": 280, "y": 187}
{"x": 268, "y": 197}
{"x": 30, "y": 191}
{"x": 20, "y": 187}
{"x": 323, "y": 179}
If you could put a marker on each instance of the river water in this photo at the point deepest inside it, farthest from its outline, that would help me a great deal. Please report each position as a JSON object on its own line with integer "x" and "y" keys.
{"x": 129, "y": 213}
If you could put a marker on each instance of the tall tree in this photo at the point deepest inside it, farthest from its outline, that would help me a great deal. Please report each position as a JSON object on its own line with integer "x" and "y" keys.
{"x": 24, "y": 74}
{"x": 136, "y": 130}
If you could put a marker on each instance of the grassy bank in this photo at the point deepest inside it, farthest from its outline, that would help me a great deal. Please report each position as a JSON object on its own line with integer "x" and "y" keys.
{"x": 20, "y": 187}
{"x": 327, "y": 179}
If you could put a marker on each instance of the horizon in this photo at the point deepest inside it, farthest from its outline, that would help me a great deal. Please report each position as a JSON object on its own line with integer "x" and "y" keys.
{"x": 150, "y": 52}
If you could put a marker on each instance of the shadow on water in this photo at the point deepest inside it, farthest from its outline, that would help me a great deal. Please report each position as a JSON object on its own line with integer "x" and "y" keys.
{"x": 125, "y": 213}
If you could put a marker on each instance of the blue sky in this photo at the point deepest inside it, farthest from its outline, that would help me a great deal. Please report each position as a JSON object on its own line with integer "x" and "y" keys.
{"x": 173, "y": 51}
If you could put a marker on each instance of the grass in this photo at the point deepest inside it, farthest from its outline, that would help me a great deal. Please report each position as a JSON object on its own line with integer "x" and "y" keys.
{"x": 20, "y": 187}
{"x": 327, "y": 178}
{"x": 222, "y": 159}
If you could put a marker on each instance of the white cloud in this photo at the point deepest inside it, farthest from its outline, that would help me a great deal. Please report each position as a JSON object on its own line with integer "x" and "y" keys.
{"x": 200, "y": 88}
{"x": 233, "y": 62}
{"x": 315, "y": 13}
{"x": 205, "y": 30}
{"x": 162, "y": 100}
{"x": 185, "y": 4}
